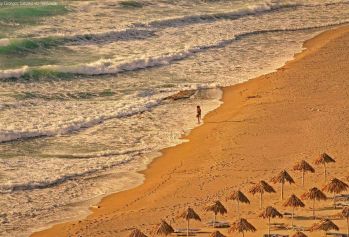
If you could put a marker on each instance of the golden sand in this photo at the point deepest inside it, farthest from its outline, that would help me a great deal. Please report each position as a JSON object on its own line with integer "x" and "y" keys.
{"x": 264, "y": 126}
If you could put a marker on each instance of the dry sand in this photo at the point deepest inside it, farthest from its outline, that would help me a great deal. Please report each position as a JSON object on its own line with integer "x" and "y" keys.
{"x": 265, "y": 125}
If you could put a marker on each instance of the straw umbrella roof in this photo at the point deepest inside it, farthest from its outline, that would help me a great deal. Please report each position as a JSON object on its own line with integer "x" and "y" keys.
{"x": 303, "y": 165}
{"x": 314, "y": 194}
{"x": 323, "y": 159}
{"x": 163, "y": 228}
{"x": 345, "y": 212}
{"x": 136, "y": 233}
{"x": 270, "y": 212}
{"x": 239, "y": 196}
{"x": 261, "y": 187}
{"x": 189, "y": 213}
{"x": 294, "y": 201}
{"x": 217, "y": 234}
{"x": 335, "y": 186}
{"x": 216, "y": 207}
{"x": 283, "y": 177}
{"x": 324, "y": 225}
{"x": 241, "y": 225}
{"x": 299, "y": 234}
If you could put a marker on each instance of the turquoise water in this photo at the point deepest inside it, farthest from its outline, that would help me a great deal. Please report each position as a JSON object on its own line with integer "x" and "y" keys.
{"x": 84, "y": 87}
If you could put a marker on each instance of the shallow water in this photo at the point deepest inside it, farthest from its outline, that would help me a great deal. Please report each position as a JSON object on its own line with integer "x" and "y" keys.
{"x": 82, "y": 94}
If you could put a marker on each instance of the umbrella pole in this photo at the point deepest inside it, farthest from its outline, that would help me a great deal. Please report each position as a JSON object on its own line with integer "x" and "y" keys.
{"x": 215, "y": 218}
{"x": 238, "y": 207}
{"x": 325, "y": 172}
{"x": 269, "y": 228}
{"x": 292, "y": 216}
{"x": 334, "y": 201}
{"x": 303, "y": 177}
{"x": 348, "y": 225}
{"x": 314, "y": 208}
{"x": 282, "y": 190}
{"x": 188, "y": 228}
{"x": 261, "y": 201}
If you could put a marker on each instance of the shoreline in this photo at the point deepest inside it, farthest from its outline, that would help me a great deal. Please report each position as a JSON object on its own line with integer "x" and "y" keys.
{"x": 159, "y": 173}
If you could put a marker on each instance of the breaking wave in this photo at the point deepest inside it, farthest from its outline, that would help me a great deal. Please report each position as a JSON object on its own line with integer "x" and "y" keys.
{"x": 250, "y": 10}
{"x": 28, "y": 45}
{"x": 6, "y": 136}
{"x": 92, "y": 154}
{"x": 18, "y": 46}
{"x": 109, "y": 66}
{"x": 8, "y": 188}
{"x": 145, "y": 104}
{"x": 13, "y": 73}
{"x": 146, "y": 30}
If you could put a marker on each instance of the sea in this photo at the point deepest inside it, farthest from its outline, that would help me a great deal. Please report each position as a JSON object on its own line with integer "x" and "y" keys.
{"x": 92, "y": 91}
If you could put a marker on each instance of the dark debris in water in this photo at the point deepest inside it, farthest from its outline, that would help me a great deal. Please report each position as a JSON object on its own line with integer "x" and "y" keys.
{"x": 181, "y": 95}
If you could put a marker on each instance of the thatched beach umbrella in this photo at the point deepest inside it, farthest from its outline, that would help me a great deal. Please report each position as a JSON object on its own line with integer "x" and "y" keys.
{"x": 324, "y": 225}
{"x": 299, "y": 234}
{"x": 238, "y": 196}
{"x": 293, "y": 202}
{"x": 136, "y": 233}
{"x": 323, "y": 160}
{"x": 216, "y": 234}
{"x": 261, "y": 188}
{"x": 189, "y": 214}
{"x": 241, "y": 226}
{"x": 270, "y": 212}
{"x": 282, "y": 178}
{"x": 163, "y": 228}
{"x": 314, "y": 194}
{"x": 216, "y": 207}
{"x": 303, "y": 166}
{"x": 345, "y": 214}
{"x": 335, "y": 186}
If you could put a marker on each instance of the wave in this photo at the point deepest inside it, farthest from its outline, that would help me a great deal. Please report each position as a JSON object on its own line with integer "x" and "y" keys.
{"x": 107, "y": 153}
{"x": 63, "y": 96}
{"x": 246, "y": 34}
{"x": 29, "y": 45}
{"x": 32, "y": 185}
{"x": 249, "y": 10}
{"x": 15, "y": 46}
{"x": 7, "y": 136}
{"x": 13, "y": 73}
{"x": 110, "y": 66}
{"x": 146, "y": 30}
{"x": 145, "y": 104}
{"x": 261, "y": 8}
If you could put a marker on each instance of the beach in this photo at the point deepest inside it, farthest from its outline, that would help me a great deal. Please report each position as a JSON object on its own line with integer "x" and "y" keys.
{"x": 264, "y": 125}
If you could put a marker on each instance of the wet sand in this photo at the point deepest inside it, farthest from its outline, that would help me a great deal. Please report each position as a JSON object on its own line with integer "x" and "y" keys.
{"x": 264, "y": 126}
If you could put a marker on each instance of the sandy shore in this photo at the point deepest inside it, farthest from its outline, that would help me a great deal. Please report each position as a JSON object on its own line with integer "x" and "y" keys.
{"x": 264, "y": 126}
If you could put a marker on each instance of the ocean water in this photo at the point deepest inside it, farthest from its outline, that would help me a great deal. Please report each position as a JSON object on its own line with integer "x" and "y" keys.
{"x": 86, "y": 86}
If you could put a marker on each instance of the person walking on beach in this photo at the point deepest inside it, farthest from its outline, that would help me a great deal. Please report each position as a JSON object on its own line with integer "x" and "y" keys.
{"x": 198, "y": 113}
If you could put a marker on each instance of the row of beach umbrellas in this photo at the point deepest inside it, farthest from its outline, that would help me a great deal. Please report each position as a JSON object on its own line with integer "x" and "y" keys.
{"x": 242, "y": 225}
{"x": 335, "y": 186}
